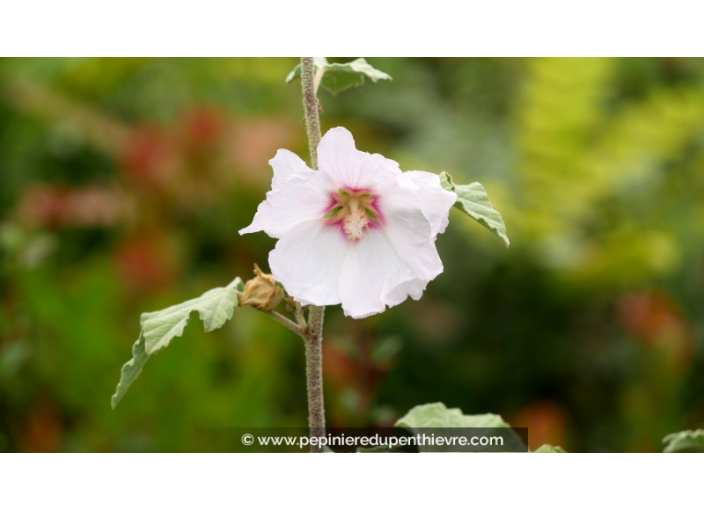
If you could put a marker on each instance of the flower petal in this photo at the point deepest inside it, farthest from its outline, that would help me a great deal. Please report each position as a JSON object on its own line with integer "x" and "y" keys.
{"x": 413, "y": 219}
{"x": 434, "y": 200}
{"x": 350, "y": 168}
{"x": 410, "y": 234}
{"x": 411, "y": 288}
{"x": 297, "y": 194}
{"x": 421, "y": 190}
{"x": 374, "y": 276}
{"x": 308, "y": 259}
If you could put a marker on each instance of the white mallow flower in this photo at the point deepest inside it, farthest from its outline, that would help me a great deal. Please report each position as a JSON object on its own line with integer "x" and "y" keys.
{"x": 358, "y": 232}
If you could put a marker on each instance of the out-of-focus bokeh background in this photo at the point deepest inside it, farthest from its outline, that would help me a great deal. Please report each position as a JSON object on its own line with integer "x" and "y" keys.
{"x": 123, "y": 183}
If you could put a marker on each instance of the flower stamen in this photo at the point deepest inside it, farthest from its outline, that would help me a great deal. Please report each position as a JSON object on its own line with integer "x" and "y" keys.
{"x": 353, "y": 211}
{"x": 355, "y": 222}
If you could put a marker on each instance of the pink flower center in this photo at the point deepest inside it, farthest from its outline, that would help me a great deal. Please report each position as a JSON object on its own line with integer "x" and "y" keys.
{"x": 354, "y": 211}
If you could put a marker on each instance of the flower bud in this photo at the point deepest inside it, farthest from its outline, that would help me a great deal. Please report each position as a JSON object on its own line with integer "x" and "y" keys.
{"x": 261, "y": 292}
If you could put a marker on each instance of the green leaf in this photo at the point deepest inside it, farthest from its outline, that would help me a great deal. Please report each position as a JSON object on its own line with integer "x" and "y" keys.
{"x": 215, "y": 307}
{"x": 473, "y": 200}
{"x": 548, "y": 448}
{"x": 685, "y": 442}
{"x": 341, "y": 76}
{"x": 130, "y": 370}
{"x": 437, "y": 415}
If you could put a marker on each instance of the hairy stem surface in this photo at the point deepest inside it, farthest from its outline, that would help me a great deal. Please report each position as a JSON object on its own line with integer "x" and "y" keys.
{"x": 314, "y": 333}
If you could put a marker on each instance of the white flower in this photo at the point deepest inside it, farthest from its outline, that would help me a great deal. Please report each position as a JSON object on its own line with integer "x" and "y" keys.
{"x": 358, "y": 232}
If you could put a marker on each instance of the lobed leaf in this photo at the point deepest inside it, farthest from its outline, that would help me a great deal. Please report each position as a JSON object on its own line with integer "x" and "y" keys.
{"x": 215, "y": 308}
{"x": 685, "y": 441}
{"x": 337, "y": 77}
{"x": 473, "y": 200}
{"x": 437, "y": 415}
{"x": 130, "y": 370}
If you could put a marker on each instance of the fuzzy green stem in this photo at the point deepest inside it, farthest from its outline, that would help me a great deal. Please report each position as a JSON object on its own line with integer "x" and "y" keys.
{"x": 314, "y": 333}
{"x": 310, "y": 107}
{"x": 314, "y": 375}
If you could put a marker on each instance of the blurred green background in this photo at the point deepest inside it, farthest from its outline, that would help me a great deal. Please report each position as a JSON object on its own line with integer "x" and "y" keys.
{"x": 124, "y": 183}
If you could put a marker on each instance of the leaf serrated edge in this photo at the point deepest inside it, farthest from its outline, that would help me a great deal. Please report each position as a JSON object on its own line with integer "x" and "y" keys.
{"x": 448, "y": 184}
{"x": 140, "y": 355}
{"x": 208, "y": 322}
{"x": 676, "y": 439}
{"x": 351, "y": 67}
{"x": 126, "y": 379}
